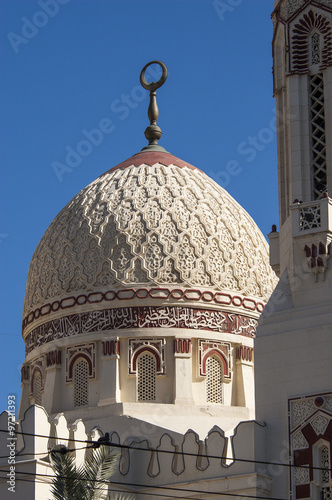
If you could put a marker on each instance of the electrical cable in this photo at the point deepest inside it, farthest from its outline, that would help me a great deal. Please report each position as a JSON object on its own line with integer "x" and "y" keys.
{"x": 183, "y": 453}
{"x": 172, "y": 488}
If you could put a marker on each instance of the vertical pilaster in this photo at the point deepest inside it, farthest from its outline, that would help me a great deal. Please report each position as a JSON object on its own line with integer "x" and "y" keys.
{"x": 183, "y": 371}
{"x": 110, "y": 383}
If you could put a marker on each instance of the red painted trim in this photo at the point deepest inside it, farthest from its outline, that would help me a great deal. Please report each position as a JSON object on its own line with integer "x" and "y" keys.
{"x": 151, "y": 158}
{"x": 217, "y": 353}
{"x": 140, "y": 350}
{"x": 131, "y": 293}
{"x": 182, "y": 346}
{"x": 74, "y": 359}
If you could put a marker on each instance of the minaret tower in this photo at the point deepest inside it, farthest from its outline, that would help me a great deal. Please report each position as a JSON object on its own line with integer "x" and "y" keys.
{"x": 293, "y": 349}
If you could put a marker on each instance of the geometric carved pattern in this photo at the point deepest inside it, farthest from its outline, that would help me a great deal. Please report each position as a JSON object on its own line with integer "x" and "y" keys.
{"x": 300, "y": 41}
{"x": 319, "y": 424}
{"x": 86, "y": 352}
{"x": 81, "y": 382}
{"x": 146, "y": 377}
{"x": 318, "y": 136}
{"x": 299, "y": 441}
{"x": 310, "y": 217}
{"x": 158, "y": 224}
{"x": 141, "y": 317}
{"x": 219, "y": 350}
{"x": 326, "y": 493}
{"x": 289, "y": 7}
{"x": 315, "y": 48}
{"x": 154, "y": 347}
{"x": 310, "y": 422}
{"x": 214, "y": 377}
{"x": 325, "y": 464}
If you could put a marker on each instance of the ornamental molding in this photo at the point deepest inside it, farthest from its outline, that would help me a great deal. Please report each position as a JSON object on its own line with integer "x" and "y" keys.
{"x": 222, "y": 350}
{"x": 149, "y": 226}
{"x": 25, "y": 372}
{"x": 182, "y": 346}
{"x": 310, "y": 423}
{"x": 141, "y": 317}
{"x": 217, "y": 298}
{"x": 154, "y": 346}
{"x": 244, "y": 353}
{"x": 111, "y": 347}
{"x": 289, "y": 8}
{"x": 53, "y": 358}
{"x": 85, "y": 351}
{"x": 300, "y": 30}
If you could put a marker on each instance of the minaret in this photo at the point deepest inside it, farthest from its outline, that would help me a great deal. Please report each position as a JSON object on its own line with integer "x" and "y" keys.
{"x": 293, "y": 350}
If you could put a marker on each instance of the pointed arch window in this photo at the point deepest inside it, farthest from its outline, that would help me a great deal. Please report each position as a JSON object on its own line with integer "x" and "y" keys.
{"x": 214, "y": 380}
{"x": 146, "y": 377}
{"x": 81, "y": 382}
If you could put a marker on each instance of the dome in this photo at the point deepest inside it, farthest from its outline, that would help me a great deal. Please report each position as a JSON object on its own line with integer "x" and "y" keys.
{"x": 153, "y": 222}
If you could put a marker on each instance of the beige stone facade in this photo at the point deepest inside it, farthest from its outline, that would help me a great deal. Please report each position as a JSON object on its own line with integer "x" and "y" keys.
{"x": 143, "y": 302}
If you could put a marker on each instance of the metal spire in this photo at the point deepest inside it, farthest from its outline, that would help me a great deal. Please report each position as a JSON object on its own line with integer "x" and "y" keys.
{"x": 153, "y": 132}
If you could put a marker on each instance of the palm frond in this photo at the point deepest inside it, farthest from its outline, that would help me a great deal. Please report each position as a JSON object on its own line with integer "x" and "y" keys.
{"x": 66, "y": 484}
{"x": 98, "y": 468}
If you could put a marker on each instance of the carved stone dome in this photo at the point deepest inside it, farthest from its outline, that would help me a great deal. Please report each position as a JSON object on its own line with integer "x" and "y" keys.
{"x": 151, "y": 222}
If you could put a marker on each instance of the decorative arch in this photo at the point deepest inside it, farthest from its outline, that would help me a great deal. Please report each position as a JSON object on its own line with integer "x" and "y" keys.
{"x": 309, "y": 23}
{"x": 140, "y": 351}
{"x": 218, "y": 354}
{"x": 73, "y": 361}
{"x": 87, "y": 352}
{"x": 156, "y": 347}
{"x": 221, "y": 350}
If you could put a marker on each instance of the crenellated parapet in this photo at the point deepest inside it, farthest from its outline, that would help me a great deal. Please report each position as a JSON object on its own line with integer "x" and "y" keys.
{"x": 149, "y": 456}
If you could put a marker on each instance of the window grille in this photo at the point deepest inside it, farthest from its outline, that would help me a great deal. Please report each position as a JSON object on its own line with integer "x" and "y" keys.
{"x": 37, "y": 385}
{"x": 81, "y": 383}
{"x": 318, "y": 140}
{"x": 146, "y": 377}
{"x": 326, "y": 490}
{"x": 214, "y": 376}
{"x": 315, "y": 49}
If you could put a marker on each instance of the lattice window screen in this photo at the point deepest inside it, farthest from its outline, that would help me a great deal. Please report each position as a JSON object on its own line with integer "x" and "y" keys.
{"x": 318, "y": 140}
{"x": 326, "y": 491}
{"x": 214, "y": 376}
{"x": 81, "y": 383}
{"x": 146, "y": 377}
{"x": 37, "y": 385}
{"x": 315, "y": 49}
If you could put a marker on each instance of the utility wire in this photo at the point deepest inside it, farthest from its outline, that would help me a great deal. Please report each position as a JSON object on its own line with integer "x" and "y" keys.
{"x": 184, "y": 453}
{"x": 43, "y": 452}
{"x": 171, "y": 488}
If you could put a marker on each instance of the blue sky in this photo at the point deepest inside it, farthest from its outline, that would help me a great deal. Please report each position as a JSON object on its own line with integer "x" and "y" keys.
{"x": 67, "y": 65}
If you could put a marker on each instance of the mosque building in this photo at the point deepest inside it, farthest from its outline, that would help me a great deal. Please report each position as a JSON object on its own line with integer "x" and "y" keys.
{"x": 156, "y": 313}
